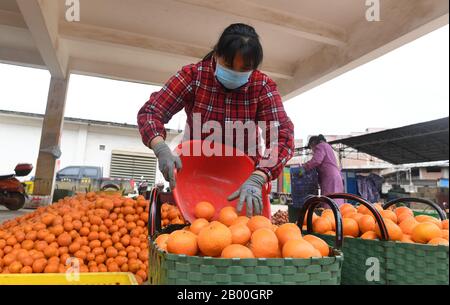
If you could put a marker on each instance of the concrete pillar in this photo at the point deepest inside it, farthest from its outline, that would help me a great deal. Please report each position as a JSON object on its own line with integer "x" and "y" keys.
{"x": 50, "y": 137}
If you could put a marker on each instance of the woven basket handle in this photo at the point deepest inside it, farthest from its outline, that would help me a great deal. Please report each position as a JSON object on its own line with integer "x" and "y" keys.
{"x": 369, "y": 206}
{"x": 309, "y": 206}
{"x": 430, "y": 203}
{"x": 154, "y": 216}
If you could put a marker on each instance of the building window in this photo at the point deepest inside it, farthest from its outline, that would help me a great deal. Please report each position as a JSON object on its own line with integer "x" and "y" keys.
{"x": 433, "y": 169}
{"x": 102, "y": 147}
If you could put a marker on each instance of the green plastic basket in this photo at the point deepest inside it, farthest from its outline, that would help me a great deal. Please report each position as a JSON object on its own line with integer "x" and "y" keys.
{"x": 171, "y": 269}
{"x": 399, "y": 263}
{"x": 174, "y": 269}
{"x": 416, "y": 264}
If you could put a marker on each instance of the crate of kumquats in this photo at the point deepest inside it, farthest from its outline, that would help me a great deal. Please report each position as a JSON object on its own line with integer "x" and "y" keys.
{"x": 233, "y": 249}
{"x": 384, "y": 245}
{"x": 88, "y": 234}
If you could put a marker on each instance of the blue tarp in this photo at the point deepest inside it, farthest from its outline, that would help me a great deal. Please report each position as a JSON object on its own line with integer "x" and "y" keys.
{"x": 369, "y": 187}
{"x": 302, "y": 187}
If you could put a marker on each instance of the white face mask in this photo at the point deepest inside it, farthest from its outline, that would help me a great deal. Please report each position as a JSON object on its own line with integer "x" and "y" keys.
{"x": 231, "y": 79}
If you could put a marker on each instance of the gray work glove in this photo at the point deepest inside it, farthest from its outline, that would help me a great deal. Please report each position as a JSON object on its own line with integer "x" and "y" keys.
{"x": 167, "y": 161}
{"x": 250, "y": 193}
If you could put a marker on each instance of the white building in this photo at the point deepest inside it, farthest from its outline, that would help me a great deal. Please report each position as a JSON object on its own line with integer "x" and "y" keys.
{"x": 117, "y": 148}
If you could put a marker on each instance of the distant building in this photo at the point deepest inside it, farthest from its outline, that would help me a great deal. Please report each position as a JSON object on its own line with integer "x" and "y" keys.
{"x": 115, "y": 147}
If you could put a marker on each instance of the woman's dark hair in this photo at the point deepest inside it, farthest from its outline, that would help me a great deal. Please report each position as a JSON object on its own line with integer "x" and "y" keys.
{"x": 314, "y": 140}
{"x": 239, "y": 38}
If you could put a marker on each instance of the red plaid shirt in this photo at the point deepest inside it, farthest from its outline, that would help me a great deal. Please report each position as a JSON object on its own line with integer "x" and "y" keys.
{"x": 196, "y": 89}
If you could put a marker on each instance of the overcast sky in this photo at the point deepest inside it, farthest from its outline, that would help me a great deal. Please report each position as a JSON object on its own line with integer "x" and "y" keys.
{"x": 405, "y": 86}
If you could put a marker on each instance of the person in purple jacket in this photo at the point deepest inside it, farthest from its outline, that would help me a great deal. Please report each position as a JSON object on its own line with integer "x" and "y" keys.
{"x": 324, "y": 160}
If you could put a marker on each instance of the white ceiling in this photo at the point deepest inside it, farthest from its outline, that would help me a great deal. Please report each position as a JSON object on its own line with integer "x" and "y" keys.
{"x": 305, "y": 42}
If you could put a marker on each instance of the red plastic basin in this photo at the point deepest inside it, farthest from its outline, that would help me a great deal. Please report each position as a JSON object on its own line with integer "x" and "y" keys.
{"x": 213, "y": 179}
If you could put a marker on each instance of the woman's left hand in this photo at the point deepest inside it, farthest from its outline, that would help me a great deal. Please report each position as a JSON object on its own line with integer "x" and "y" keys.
{"x": 251, "y": 193}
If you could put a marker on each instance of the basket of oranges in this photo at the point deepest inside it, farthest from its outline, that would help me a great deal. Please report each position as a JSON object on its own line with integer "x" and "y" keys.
{"x": 225, "y": 248}
{"x": 383, "y": 245}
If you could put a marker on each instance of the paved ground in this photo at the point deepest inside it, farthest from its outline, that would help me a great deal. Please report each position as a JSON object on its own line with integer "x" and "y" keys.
{"x": 6, "y": 214}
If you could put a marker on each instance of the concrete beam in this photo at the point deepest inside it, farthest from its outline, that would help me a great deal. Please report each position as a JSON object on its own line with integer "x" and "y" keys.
{"x": 41, "y": 18}
{"x": 301, "y": 27}
{"x": 12, "y": 19}
{"x": 402, "y": 22}
{"x": 90, "y": 33}
{"x": 21, "y": 57}
{"x": 117, "y": 71}
{"x": 50, "y": 137}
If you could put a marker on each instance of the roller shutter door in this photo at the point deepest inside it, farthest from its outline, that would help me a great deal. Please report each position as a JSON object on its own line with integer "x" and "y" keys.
{"x": 133, "y": 166}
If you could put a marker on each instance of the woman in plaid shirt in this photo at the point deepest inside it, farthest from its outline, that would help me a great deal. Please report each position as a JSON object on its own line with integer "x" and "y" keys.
{"x": 225, "y": 87}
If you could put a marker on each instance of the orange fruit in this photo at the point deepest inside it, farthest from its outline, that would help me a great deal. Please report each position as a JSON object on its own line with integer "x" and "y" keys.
{"x": 258, "y": 222}
{"x": 388, "y": 214}
{"x": 400, "y": 210}
{"x": 287, "y": 231}
{"x": 438, "y": 241}
{"x": 378, "y": 206}
{"x": 408, "y": 224}
{"x": 350, "y": 227}
{"x": 214, "y": 238}
{"x": 319, "y": 244}
{"x": 425, "y": 231}
{"x": 314, "y": 217}
{"x": 427, "y": 218}
{"x": 264, "y": 243}
{"x": 366, "y": 223}
{"x": 349, "y": 211}
{"x": 322, "y": 225}
{"x": 240, "y": 220}
{"x": 403, "y": 216}
{"x": 363, "y": 210}
{"x": 369, "y": 235}
{"x": 227, "y": 215}
{"x": 329, "y": 214}
{"x": 298, "y": 248}
{"x": 346, "y": 206}
{"x": 330, "y": 233}
{"x": 237, "y": 251}
{"x": 356, "y": 216}
{"x": 204, "y": 210}
{"x": 182, "y": 242}
{"x": 445, "y": 224}
{"x": 240, "y": 234}
{"x": 444, "y": 234}
{"x": 406, "y": 239}
{"x": 198, "y": 224}
{"x": 394, "y": 231}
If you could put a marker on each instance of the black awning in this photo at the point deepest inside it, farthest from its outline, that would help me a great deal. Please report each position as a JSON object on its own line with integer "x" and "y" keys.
{"x": 423, "y": 142}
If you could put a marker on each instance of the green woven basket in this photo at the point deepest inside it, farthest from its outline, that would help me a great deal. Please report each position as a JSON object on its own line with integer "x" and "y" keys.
{"x": 174, "y": 269}
{"x": 166, "y": 268}
{"x": 399, "y": 263}
{"x": 416, "y": 264}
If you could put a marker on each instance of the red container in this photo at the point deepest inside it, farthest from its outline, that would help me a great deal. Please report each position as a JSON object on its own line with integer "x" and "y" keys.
{"x": 213, "y": 179}
{"x": 23, "y": 169}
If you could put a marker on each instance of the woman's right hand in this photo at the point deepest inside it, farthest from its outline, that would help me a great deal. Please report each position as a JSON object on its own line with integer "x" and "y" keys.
{"x": 167, "y": 161}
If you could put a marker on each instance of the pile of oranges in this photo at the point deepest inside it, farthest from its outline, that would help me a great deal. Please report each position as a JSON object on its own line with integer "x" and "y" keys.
{"x": 401, "y": 225}
{"x": 105, "y": 232}
{"x": 170, "y": 214}
{"x": 232, "y": 236}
